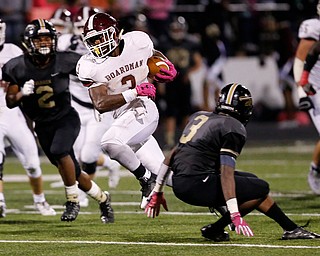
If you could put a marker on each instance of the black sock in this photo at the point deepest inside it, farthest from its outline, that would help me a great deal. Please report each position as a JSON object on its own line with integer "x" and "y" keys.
{"x": 139, "y": 172}
{"x": 222, "y": 222}
{"x": 279, "y": 216}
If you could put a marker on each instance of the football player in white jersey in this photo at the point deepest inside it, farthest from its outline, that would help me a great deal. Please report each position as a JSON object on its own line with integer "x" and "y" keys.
{"x": 87, "y": 146}
{"x": 13, "y": 125}
{"x": 116, "y": 75}
{"x": 309, "y": 34}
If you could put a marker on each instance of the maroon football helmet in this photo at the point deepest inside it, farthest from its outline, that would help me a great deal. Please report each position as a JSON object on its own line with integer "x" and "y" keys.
{"x": 62, "y": 20}
{"x": 101, "y": 34}
{"x": 81, "y": 17}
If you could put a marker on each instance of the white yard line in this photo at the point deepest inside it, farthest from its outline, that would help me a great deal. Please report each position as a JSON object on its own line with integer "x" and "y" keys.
{"x": 165, "y": 244}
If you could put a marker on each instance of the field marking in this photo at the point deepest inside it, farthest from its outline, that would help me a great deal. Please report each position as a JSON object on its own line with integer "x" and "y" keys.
{"x": 60, "y": 207}
{"x": 165, "y": 244}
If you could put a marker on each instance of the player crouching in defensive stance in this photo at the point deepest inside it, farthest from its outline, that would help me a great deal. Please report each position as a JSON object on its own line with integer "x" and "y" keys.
{"x": 203, "y": 165}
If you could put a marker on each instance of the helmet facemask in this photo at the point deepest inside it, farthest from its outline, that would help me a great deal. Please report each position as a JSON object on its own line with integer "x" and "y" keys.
{"x": 40, "y": 41}
{"x": 102, "y": 43}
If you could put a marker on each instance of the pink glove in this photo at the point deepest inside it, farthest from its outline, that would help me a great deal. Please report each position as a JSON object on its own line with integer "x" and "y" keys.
{"x": 146, "y": 89}
{"x": 153, "y": 207}
{"x": 240, "y": 225}
{"x": 166, "y": 75}
{"x": 304, "y": 82}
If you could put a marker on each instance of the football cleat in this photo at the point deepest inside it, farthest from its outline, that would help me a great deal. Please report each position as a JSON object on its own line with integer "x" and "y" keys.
{"x": 213, "y": 234}
{"x": 314, "y": 180}
{"x": 299, "y": 233}
{"x": 3, "y": 209}
{"x": 45, "y": 209}
{"x": 107, "y": 215}
{"x": 71, "y": 212}
{"x": 147, "y": 186}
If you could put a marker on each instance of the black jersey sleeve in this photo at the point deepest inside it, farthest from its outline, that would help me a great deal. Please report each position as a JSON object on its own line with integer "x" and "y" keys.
{"x": 232, "y": 144}
{"x": 9, "y": 70}
{"x": 234, "y": 137}
{"x": 67, "y": 62}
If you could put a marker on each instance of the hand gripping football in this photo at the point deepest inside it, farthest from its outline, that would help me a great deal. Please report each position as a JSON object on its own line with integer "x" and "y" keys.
{"x": 155, "y": 63}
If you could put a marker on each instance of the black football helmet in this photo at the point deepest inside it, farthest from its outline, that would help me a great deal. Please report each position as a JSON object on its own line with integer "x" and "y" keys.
{"x": 101, "y": 34}
{"x": 81, "y": 17}
{"x": 236, "y": 101}
{"x": 40, "y": 50}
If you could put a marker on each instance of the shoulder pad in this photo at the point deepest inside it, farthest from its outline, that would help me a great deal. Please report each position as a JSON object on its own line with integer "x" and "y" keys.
{"x": 85, "y": 71}
{"x": 140, "y": 38}
{"x": 310, "y": 29}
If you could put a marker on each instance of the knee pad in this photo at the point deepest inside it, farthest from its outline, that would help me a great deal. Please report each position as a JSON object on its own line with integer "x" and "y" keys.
{"x": 34, "y": 172}
{"x": 89, "y": 168}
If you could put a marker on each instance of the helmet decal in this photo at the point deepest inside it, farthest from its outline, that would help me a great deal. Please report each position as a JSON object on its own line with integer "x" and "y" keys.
{"x": 230, "y": 93}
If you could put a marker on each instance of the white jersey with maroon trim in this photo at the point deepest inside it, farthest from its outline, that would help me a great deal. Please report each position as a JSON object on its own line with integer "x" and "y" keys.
{"x": 119, "y": 73}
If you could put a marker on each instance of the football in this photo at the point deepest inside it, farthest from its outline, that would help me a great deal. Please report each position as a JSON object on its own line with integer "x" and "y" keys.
{"x": 155, "y": 63}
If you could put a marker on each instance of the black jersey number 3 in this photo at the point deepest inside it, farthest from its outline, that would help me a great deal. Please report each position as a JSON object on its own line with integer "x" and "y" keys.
{"x": 193, "y": 128}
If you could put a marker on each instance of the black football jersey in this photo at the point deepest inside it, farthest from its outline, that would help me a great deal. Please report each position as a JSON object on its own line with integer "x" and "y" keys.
{"x": 204, "y": 139}
{"x": 51, "y": 98}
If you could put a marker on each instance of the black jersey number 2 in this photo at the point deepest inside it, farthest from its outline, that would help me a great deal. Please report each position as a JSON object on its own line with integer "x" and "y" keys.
{"x": 193, "y": 128}
{"x": 47, "y": 92}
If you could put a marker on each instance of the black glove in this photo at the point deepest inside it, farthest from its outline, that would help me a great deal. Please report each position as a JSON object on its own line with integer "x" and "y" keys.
{"x": 305, "y": 104}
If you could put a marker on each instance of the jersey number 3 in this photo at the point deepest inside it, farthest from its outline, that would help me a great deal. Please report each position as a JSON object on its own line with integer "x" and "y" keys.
{"x": 193, "y": 129}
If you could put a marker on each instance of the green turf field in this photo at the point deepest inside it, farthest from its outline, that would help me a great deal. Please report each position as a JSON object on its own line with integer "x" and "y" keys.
{"x": 177, "y": 232}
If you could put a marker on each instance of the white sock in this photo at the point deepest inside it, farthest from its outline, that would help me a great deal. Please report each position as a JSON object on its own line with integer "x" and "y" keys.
{"x": 39, "y": 198}
{"x": 72, "y": 193}
{"x": 96, "y": 193}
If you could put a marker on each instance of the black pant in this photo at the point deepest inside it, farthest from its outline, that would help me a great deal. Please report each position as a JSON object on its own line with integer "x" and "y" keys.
{"x": 57, "y": 138}
{"x": 205, "y": 190}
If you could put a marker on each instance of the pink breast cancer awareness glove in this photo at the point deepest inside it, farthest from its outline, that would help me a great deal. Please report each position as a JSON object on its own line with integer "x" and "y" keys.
{"x": 166, "y": 75}
{"x": 153, "y": 207}
{"x": 240, "y": 225}
{"x": 146, "y": 89}
{"x": 304, "y": 83}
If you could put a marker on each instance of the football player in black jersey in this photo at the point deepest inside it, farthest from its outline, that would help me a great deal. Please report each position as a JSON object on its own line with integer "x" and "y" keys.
{"x": 38, "y": 84}
{"x": 203, "y": 166}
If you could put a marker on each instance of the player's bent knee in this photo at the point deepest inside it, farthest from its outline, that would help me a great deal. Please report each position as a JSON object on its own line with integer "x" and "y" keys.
{"x": 34, "y": 172}
{"x": 112, "y": 149}
{"x": 89, "y": 168}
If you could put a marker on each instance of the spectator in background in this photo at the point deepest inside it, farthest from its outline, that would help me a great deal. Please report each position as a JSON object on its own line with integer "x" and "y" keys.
{"x": 214, "y": 52}
{"x": 184, "y": 52}
{"x": 15, "y": 14}
{"x": 158, "y": 15}
{"x": 277, "y": 41}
